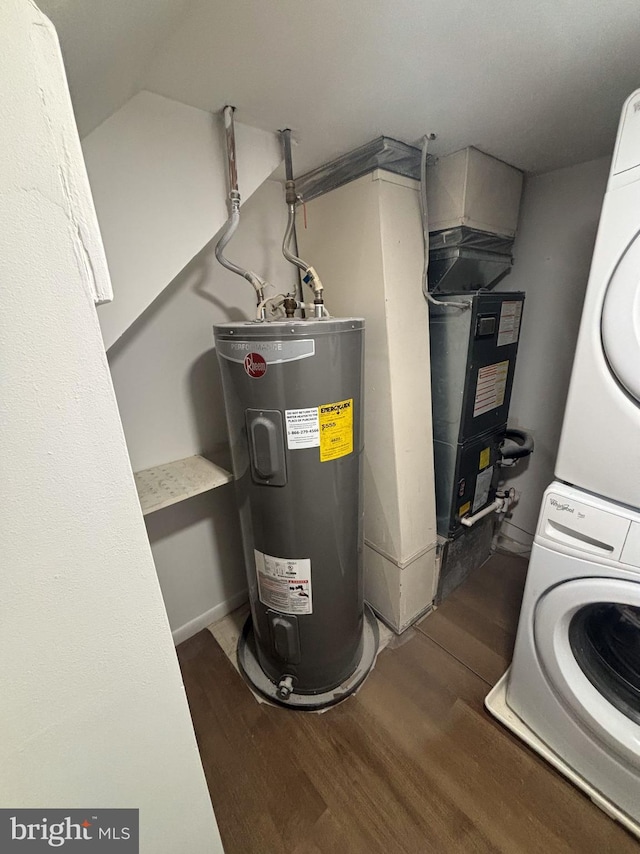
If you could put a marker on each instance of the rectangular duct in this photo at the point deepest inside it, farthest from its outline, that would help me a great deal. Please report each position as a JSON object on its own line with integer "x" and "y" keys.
{"x": 473, "y": 203}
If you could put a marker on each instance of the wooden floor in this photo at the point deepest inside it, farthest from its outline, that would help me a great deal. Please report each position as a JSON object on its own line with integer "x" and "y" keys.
{"x": 411, "y": 764}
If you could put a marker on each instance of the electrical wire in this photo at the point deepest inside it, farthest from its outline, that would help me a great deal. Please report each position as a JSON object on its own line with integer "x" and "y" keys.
{"x": 509, "y": 522}
{"x": 299, "y": 288}
{"x": 501, "y": 549}
{"x": 425, "y": 232}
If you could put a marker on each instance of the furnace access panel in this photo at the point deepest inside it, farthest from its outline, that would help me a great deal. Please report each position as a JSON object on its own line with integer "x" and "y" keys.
{"x": 473, "y": 357}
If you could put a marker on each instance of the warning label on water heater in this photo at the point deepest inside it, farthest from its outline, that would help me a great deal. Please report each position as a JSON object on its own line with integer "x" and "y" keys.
{"x": 284, "y": 584}
{"x": 303, "y": 428}
{"x": 336, "y": 430}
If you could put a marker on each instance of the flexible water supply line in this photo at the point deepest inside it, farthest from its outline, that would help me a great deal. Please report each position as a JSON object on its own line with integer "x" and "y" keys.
{"x": 288, "y": 234}
{"x": 425, "y": 231}
{"x": 233, "y": 221}
{"x": 288, "y": 171}
{"x": 310, "y": 274}
{"x": 311, "y": 277}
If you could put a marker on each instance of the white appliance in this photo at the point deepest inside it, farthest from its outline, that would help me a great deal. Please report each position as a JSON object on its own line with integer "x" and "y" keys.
{"x": 573, "y": 689}
{"x": 600, "y": 444}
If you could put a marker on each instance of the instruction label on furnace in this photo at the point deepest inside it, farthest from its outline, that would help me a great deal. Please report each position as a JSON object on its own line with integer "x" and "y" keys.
{"x": 509, "y": 328}
{"x": 483, "y": 487}
{"x": 492, "y": 383}
{"x": 284, "y": 584}
{"x": 336, "y": 429}
{"x": 303, "y": 428}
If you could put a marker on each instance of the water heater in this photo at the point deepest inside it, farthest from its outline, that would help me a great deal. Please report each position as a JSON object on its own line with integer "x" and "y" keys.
{"x": 293, "y": 396}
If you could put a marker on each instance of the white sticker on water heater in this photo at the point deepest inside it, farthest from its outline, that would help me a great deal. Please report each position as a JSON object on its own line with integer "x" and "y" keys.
{"x": 284, "y": 584}
{"x": 303, "y": 428}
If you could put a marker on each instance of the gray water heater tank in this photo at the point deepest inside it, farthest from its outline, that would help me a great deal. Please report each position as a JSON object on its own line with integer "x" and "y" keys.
{"x": 294, "y": 398}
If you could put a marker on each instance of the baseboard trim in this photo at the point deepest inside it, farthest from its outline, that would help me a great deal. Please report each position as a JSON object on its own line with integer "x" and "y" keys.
{"x": 219, "y": 611}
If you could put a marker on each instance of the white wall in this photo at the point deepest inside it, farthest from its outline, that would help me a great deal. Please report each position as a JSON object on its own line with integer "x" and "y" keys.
{"x": 92, "y": 710}
{"x": 167, "y": 382}
{"x": 158, "y": 172}
{"x": 556, "y": 233}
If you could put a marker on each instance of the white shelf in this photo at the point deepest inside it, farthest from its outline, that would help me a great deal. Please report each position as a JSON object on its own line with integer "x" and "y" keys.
{"x": 170, "y": 483}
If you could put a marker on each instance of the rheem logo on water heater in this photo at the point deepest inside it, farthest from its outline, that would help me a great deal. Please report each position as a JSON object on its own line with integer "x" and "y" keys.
{"x": 255, "y": 365}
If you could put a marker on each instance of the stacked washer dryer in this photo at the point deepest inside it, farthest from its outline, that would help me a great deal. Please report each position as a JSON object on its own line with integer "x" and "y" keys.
{"x": 573, "y": 689}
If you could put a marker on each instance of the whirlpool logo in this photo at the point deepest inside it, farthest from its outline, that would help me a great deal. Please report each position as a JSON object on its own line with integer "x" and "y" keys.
{"x": 563, "y": 507}
{"x": 73, "y": 830}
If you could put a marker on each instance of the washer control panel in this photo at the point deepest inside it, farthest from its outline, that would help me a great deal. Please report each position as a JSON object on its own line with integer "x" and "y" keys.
{"x": 582, "y": 526}
{"x": 631, "y": 551}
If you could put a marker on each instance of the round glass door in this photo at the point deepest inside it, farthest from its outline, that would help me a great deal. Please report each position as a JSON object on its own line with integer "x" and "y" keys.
{"x": 605, "y": 640}
{"x": 621, "y": 320}
{"x": 587, "y": 637}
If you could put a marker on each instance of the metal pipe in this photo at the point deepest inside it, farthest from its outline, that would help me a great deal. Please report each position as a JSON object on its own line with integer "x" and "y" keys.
{"x": 230, "y": 229}
{"x": 310, "y": 275}
{"x": 291, "y": 223}
{"x": 288, "y": 163}
{"x": 230, "y": 134}
{"x": 233, "y": 221}
{"x": 291, "y": 193}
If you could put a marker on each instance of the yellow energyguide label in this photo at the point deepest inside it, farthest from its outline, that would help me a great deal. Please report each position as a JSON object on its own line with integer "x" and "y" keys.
{"x": 485, "y": 458}
{"x": 464, "y": 509}
{"x": 336, "y": 429}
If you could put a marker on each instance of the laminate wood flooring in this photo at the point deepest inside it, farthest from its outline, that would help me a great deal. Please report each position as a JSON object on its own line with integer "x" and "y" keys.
{"x": 413, "y": 763}
{"x": 477, "y": 624}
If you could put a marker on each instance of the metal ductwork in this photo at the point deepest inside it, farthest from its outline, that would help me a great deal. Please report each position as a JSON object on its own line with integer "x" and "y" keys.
{"x": 467, "y": 259}
{"x": 473, "y": 207}
{"x": 473, "y": 213}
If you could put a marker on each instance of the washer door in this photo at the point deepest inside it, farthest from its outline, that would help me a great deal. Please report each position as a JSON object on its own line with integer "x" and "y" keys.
{"x": 621, "y": 320}
{"x": 587, "y": 635}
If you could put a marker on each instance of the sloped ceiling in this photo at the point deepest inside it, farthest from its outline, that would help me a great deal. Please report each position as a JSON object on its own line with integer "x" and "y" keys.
{"x": 539, "y": 85}
{"x": 107, "y": 46}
